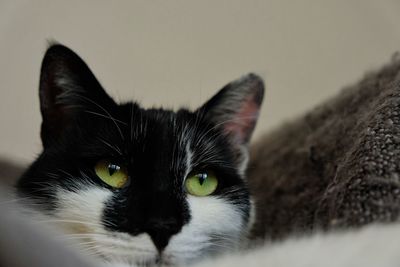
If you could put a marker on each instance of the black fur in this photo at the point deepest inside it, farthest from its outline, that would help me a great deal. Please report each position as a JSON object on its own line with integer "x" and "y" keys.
{"x": 82, "y": 125}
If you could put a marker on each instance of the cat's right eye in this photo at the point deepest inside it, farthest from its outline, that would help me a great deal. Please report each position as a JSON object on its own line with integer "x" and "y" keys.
{"x": 112, "y": 174}
{"x": 201, "y": 184}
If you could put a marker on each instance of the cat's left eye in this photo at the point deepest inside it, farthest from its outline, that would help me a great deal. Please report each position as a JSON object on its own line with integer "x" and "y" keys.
{"x": 112, "y": 174}
{"x": 201, "y": 184}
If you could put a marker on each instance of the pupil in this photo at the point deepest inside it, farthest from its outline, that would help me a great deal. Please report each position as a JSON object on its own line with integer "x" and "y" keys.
{"x": 202, "y": 178}
{"x": 112, "y": 168}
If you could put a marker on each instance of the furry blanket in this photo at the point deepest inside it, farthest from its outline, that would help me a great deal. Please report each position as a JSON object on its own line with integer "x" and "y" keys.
{"x": 337, "y": 166}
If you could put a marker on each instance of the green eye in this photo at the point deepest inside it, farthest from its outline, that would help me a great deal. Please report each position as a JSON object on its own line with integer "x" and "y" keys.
{"x": 201, "y": 184}
{"x": 112, "y": 174}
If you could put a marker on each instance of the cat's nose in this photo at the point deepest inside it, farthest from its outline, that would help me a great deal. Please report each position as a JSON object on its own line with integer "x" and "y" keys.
{"x": 161, "y": 231}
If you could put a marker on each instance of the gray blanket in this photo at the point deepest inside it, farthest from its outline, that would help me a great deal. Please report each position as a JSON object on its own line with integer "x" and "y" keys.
{"x": 337, "y": 166}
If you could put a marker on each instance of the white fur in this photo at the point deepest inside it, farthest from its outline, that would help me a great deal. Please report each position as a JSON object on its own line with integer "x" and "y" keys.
{"x": 84, "y": 205}
{"x": 82, "y": 212}
{"x": 215, "y": 225}
{"x": 211, "y": 216}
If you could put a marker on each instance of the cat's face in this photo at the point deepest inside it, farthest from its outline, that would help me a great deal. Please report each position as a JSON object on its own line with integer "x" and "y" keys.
{"x": 142, "y": 185}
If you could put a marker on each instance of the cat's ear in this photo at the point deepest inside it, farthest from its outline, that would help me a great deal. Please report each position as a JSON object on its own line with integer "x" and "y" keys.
{"x": 67, "y": 87}
{"x": 235, "y": 108}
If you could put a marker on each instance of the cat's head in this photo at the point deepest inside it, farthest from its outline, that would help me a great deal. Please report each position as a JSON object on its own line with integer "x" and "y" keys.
{"x": 142, "y": 185}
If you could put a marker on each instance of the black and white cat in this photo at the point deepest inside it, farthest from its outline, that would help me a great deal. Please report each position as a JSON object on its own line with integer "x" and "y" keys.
{"x": 142, "y": 186}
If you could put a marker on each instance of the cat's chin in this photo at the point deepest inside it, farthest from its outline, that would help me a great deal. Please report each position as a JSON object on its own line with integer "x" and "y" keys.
{"x": 116, "y": 247}
{"x": 137, "y": 264}
{"x": 130, "y": 264}
{"x": 147, "y": 259}
{"x": 143, "y": 260}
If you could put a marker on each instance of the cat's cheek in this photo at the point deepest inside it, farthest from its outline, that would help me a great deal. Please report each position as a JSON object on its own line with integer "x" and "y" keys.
{"x": 81, "y": 211}
{"x": 214, "y": 215}
{"x": 214, "y": 224}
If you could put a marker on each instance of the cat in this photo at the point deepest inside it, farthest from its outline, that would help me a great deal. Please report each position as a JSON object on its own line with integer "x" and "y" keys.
{"x": 154, "y": 187}
{"x": 142, "y": 186}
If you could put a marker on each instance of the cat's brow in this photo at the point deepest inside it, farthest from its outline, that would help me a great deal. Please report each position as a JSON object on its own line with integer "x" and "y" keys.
{"x": 113, "y": 147}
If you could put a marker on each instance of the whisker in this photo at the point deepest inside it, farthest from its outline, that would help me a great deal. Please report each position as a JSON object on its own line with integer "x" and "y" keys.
{"x": 115, "y": 148}
{"x": 68, "y": 221}
{"x": 104, "y": 116}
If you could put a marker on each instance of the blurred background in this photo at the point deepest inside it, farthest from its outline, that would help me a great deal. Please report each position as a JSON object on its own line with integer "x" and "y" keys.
{"x": 173, "y": 53}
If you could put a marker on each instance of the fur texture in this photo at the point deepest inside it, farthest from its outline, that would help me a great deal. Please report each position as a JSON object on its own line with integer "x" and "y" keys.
{"x": 152, "y": 219}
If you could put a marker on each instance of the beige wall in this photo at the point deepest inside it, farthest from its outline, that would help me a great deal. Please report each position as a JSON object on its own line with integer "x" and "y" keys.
{"x": 180, "y": 52}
